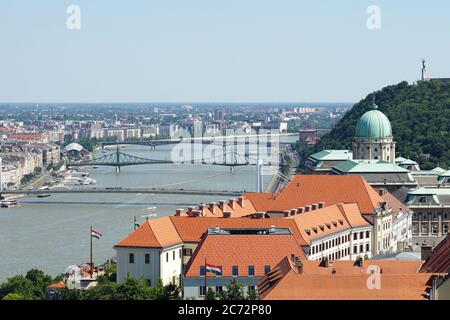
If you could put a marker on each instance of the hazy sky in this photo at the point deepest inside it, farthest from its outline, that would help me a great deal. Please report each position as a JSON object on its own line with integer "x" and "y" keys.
{"x": 216, "y": 51}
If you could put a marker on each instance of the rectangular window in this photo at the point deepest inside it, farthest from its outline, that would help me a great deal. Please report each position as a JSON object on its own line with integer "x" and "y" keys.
{"x": 361, "y": 235}
{"x": 147, "y": 258}
{"x": 251, "y": 288}
{"x": 187, "y": 252}
{"x": 434, "y": 228}
{"x": 251, "y": 270}
{"x": 367, "y": 247}
{"x": 367, "y": 234}
{"x": 173, "y": 254}
{"x": 167, "y": 257}
{"x": 355, "y": 236}
{"x": 361, "y": 248}
{"x": 266, "y": 269}
{"x": 235, "y": 271}
{"x": 131, "y": 258}
{"x": 180, "y": 253}
{"x": 355, "y": 249}
{"x": 202, "y": 291}
{"x": 219, "y": 289}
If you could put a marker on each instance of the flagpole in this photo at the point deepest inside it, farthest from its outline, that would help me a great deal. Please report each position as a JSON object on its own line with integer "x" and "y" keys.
{"x": 206, "y": 285}
{"x": 92, "y": 265}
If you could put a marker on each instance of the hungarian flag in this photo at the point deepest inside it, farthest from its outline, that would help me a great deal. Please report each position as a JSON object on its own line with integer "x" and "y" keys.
{"x": 96, "y": 234}
{"x": 214, "y": 269}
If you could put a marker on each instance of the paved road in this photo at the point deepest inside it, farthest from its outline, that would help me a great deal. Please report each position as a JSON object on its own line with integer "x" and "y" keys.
{"x": 126, "y": 190}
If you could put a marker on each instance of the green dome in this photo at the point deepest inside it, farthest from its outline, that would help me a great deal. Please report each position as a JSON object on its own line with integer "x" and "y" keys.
{"x": 373, "y": 124}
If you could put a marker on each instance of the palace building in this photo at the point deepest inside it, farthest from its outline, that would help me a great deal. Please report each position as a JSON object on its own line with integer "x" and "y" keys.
{"x": 374, "y": 140}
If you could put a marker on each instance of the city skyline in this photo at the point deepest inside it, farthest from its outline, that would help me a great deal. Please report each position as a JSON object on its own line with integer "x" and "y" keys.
{"x": 257, "y": 52}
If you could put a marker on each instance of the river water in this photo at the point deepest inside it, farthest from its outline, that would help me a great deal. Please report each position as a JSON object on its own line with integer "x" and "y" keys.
{"x": 52, "y": 233}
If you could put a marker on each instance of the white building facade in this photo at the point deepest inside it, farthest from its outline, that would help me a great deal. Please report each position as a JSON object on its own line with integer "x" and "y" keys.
{"x": 152, "y": 264}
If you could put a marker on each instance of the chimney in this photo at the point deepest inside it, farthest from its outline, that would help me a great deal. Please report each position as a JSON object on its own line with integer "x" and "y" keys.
{"x": 232, "y": 203}
{"x": 194, "y": 213}
{"x": 321, "y": 205}
{"x": 212, "y": 207}
{"x": 425, "y": 252}
{"x": 382, "y": 191}
{"x": 227, "y": 214}
{"x": 293, "y": 257}
{"x": 314, "y": 206}
{"x": 201, "y": 207}
{"x": 299, "y": 265}
{"x": 190, "y": 209}
{"x": 359, "y": 262}
{"x": 178, "y": 212}
{"x": 241, "y": 201}
{"x": 222, "y": 204}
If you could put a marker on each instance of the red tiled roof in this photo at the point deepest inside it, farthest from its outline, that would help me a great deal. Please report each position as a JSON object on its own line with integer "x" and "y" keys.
{"x": 156, "y": 233}
{"x": 57, "y": 285}
{"x": 352, "y": 214}
{"x": 27, "y": 136}
{"x": 261, "y": 201}
{"x": 313, "y": 224}
{"x": 242, "y": 251}
{"x": 309, "y": 189}
{"x": 396, "y": 205}
{"x": 399, "y": 281}
{"x": 440, "y": 258}
{"x": 192, "y": 229}
{"x": 238, "y": 212}
{"x": 167, "y": 231}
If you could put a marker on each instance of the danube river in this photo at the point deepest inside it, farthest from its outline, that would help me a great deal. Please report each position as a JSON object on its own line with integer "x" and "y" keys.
{"x": 52, "y": 233}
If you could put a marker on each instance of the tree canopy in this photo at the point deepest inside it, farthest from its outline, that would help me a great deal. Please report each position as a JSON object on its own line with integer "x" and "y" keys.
{"x": 420, "y": 119}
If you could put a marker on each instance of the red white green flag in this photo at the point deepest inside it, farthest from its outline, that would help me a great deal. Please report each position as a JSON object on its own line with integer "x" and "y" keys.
{"x": 96, "y": 234}
{"x": 214, "y": 269}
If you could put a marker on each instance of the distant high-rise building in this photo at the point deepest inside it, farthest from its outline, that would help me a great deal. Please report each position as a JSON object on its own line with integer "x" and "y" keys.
{"x": 219, "y": 115}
